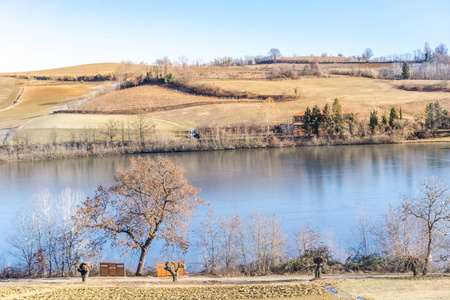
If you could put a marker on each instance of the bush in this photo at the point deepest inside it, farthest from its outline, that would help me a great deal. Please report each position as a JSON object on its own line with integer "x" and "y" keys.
{"x": 370, "y": 263}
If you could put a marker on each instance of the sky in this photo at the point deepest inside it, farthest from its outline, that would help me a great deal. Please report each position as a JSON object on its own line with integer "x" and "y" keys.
{"x": 44, "y": 34}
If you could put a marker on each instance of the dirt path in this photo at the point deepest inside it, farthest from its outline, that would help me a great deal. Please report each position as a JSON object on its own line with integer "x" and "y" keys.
{"x": 187, "y": 279}
{"x": 15, "y": 103}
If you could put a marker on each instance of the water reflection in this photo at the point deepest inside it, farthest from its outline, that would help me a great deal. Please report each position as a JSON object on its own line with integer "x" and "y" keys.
{"x": 323, "y": 185}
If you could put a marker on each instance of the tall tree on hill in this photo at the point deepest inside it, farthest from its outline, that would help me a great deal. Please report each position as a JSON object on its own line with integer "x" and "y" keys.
{"x": 338, "y": 119}
{"x": 150, "y": 200}
{"x": 274, "y": 54}
{"x": 405, "y": 71}
{"x": 367, "y": 54}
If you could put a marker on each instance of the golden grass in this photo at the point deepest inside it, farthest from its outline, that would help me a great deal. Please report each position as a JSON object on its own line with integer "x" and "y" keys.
{"x": 43, "y": 99}
{"x": 359, "y": 94}
{"x": 68, "y": 125}
{"x": 400, "y": 289}
{"x": 10, "y": 89}
{"x": 86, "y": 70}
{"x": 146, "y": 98}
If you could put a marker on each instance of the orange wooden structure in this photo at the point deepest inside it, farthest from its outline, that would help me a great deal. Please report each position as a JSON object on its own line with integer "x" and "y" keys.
{"x": 112, "y": 269}
{"x": 160, "y": 268}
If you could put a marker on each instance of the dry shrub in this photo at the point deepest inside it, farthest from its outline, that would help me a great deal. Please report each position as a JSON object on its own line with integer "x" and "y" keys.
{"x": 356, "y": 72}
{"x": 440, "y": 87}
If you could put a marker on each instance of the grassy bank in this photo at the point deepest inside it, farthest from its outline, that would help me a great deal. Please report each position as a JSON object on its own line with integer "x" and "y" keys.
{"x": 164, "y": 145}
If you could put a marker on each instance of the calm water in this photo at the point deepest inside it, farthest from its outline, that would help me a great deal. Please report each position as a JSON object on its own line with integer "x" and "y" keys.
{"x": 323, "y": 186}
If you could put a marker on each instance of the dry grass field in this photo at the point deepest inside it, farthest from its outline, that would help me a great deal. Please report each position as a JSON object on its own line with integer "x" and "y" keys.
{"x": 10, "y": 89}
{"x": 405, "y": 288}
{"x": 358, "y": 94}
{"x": 37, "y": 100}
{"x": 174, "y": 111}
{"x": 86, "y": 70}
{"x": 399, "y": 288}
{"x": 146, "y": 99}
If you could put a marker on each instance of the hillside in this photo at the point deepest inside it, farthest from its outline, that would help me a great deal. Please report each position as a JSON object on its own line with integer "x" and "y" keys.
{"x": 86, "y": 70}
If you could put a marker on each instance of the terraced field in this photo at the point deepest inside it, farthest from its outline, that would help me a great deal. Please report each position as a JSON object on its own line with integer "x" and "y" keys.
{"x": 146, "y": 99}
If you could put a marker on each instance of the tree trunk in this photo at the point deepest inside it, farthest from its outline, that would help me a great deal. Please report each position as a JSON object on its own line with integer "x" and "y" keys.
{"x": 427, "y": 258}
{"x": 84, "y": 276}
{"x": 141, "y": 264}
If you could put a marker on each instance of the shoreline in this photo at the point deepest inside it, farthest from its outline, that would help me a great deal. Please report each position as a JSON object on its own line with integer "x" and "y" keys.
{"x": 79, "y": 150}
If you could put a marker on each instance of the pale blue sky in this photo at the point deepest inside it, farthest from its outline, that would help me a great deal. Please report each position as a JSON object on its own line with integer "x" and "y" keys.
{"x": 46, "y": 34}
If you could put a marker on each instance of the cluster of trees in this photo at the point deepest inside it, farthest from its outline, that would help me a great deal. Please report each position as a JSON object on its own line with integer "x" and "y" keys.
{"x": 329, "y": 118}
{"x": 436, "y": 117}
{"x": 440, "y": 54}
{"x": 393, "y": 121}
{"x": 294, "y": 72}
{"x": 406, "y": 238}
{"x": 45, "y": 237}
{"x": 252, "y": 245}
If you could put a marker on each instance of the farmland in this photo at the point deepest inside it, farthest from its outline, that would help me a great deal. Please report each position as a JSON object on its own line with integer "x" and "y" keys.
{"x": 172, "y": 110}
{"x": 146, "y": 99}
{"x": 40, "y": 99}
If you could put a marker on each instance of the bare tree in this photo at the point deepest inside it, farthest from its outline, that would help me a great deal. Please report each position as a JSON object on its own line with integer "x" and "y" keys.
{"x": 141, "y": 127}
{"x": 367, "y": 54}
{"x": 211, "y": 241}
{"x": 53, "y": 135}
{"x": 23, "y": 237}
{"x": 398, "y": 237}
{"x": 274, "y": 54}
{"x": 150, "y": 200}
{"x": 110, "y": 129}
{"x": 21, "y": 139}
{"x": 266, "y": 242}
{"x": 268, "y": 114}
{"x": 307, "y": 239}
{"x": 361, "y": 234}
{"x": 432, "y": 209}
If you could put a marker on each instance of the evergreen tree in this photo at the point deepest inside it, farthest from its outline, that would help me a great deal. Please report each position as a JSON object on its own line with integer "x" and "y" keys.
{"x": 351, "y": 123}
{"x": 385, "y": 122}
{"x": 338, "y": 120}
{"x": 327, "y": 120}
{"x": 316, "y": 119}
{"x": 401, "y": 114}
{"x": 373, "y": 121}
{"x": 393, "y": 116}
{"x": 307, "y": 121}
{"x": 405, "y": 71}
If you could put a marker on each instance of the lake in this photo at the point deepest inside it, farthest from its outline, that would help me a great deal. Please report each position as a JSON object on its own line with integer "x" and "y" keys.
{"x": 324, "y": 186}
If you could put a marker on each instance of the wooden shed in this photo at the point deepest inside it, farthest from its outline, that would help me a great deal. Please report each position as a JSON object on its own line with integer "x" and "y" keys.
{"x": 112, "y": 269}
{"x": 160, "y": 268}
